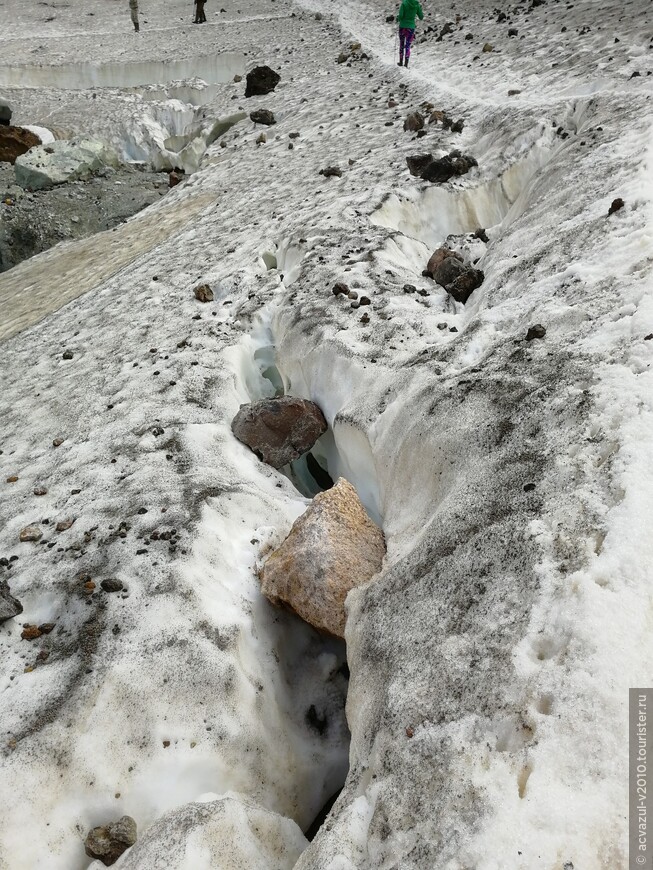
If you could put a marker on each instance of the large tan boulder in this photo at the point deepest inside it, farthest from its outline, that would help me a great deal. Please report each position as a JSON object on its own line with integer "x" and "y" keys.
{"x": 332, "y": 547}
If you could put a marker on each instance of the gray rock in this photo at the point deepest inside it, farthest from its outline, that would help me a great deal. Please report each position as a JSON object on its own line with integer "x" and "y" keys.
{"x": 536, "y": 331}
{"x": 279, "y": 430}
{"x": 332, "y": 547}
{"x": 108, "y": 842}
{"x": 263, "y": 116}
{"x": 261, "y": 80}
{"x": 9, "y": 606}
{"x": 58, "y": 162}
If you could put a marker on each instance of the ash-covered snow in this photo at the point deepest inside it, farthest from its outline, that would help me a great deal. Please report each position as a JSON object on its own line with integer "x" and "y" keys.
{"x": 490, "y": 661}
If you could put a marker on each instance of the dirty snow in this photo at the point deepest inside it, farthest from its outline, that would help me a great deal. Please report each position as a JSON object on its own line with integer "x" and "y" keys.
{"x": 513, "y": 480}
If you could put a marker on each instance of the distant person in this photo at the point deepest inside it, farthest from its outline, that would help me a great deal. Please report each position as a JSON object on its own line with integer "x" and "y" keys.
{"x": 133, "y": 8}
{"x": 200, "y": 17}
{"x": 406, "y": 18}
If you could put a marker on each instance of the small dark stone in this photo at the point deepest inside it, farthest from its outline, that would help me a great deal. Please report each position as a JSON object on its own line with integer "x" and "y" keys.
{"x": 365, "y": 300}
{"x": 331, "y": 171}
{"x": 112, "y": 584}
{"x": 409, "y": 288}
{"x": 340, "y": 289}
{"x": 263, "y": 116}
{"x": 529, "y": 487}
{"x": 536, "y": 331}
{"x": 617, "y": 204}
{"x": 203, "y": 293}
{"x": 108, "y": 842}
{"x": 481, "y": 234}
{"x": 648, "y": 337}
{"x": 67, "y": 354}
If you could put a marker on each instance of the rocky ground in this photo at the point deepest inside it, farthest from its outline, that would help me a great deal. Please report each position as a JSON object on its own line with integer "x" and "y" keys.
{"x": 32, "y": 222}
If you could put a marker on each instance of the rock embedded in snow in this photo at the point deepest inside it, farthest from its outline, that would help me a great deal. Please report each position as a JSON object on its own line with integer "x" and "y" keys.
{"x": 5, "y": 113}
{"x": 229, "y": 832}
{"x": 417, "y": 163}
{"x": 438, "y": 259}
{"x": 108, "y": 842}
{"x": 9, "y": 606}
{"x": 462, "y": 287}
{"x": 616, "y": 205}
{"x": 447, "y": 167}
{"x": 62, "y": 161}
{"x": 331, "y": 172}
{"x": 203, "y": 293}
{"x": 414, "y": 122}
{"x": 536, "y": 331}
{"x": 333, "y": 547}
{"x": 260, "y": 81}
{"x": 15, "y": 141}
{"x": 279, "y": 430}
{"x": 31, "y": 533}
{"x": 263, "y": 116}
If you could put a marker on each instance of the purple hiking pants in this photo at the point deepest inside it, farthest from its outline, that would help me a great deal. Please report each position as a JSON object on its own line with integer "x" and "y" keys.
{"x": 405, "y": 39}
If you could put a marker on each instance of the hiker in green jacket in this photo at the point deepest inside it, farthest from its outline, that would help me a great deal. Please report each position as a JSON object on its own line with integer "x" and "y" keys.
{"x": 406, "y": 18}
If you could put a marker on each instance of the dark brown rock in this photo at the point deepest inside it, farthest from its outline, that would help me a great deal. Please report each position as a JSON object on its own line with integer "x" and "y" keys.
{"x": 448, "y": 270}
{"x": 331, "y": 171}
{"x": 108, "y": 842}
{"x": 447, "y": 167}
{"x": 9, "y": 606}
{"x": 261, "y": 80}
{"x": 15, "y": 141}
{"x": 112, "y": 584}
{"x": 438, "y": 258}
{"x": 263, "y": 116}
{"x": 279, "y": 430}
{"x": 203, "y": 293}
{"x": 418, "y": 163}
{"x": 617, "y": 205}
{"x": 462, "y": 287}
{"x": 413, "y": 122}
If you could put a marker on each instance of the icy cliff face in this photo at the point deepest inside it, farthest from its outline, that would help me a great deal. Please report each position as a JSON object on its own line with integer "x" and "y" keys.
{"x": 489, "y": 663}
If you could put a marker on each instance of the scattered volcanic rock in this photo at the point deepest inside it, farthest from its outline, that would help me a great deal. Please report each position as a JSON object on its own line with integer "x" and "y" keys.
{"x": 459, "y": 279}
{"x": 617, "y": 205}
{"x": 9, "y": 606}
{"x": 15, "y": 141}
{"x": 332, "y": 547}
{"x": 108, "y": 842}
{"x": 263, "y": 116}
{"x": 30, "y": 533}
{"x": 260, "y": 81}
{"x": 279, "y": 430}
